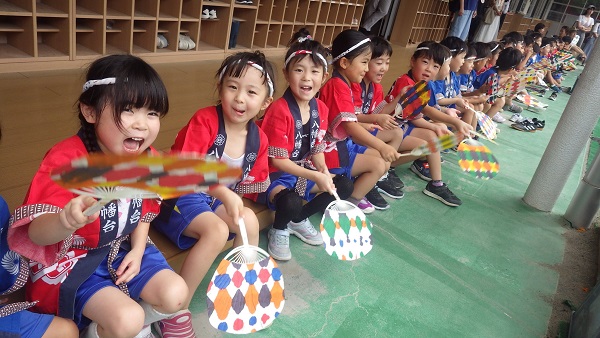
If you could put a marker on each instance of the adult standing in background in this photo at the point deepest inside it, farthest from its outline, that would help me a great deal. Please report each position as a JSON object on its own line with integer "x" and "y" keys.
{"x": 504, "y": 12}
{"x": 490, "y": 22}
{"x": 375, "y": 10}
{"x": 461, "y": 22}
{"x": 585, "y": 23}
{"x": 476, "y": 21}
{"x": 590, "y": 41}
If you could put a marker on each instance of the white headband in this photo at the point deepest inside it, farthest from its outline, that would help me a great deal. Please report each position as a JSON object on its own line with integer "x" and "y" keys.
{"x": 350, "y": 49}
{"x": 107, "y": 81}
{"x": 447, "y": 59}
{"x": 471, "y": 58}
{"x": 493, "y": 49}
{"x": 422, "y": 48}
{"x": 260, "y": 69}
{"x": 304, "y": 51}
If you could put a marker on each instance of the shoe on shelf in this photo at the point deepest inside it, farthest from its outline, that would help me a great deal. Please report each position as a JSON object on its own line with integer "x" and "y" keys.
{"x": 177, "y": 325}
{"x": 279, "y": 244}
{"x": 386, "y": 186}
{"x": 498, "y": 118}
{"x": 394, "y": 178}
{"x": 513, "y": 108}
{"x": 442, "y": 194}
{"x": 553, "y": 96}
{"x": 205, "y": 14}
{"x": 375, "y": 198}
{"x": 516, "y": 117}
{"x": 421, "y": 168}
{"x": 162, "y": 41}
{"x": 366, "y": 206}
{"x": 305, "y": 231}
{"x": 212, "y": 14}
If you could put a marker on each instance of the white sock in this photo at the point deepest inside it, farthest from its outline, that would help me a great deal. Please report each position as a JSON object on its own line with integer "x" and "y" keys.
{"x": 145, "y": 333}
{"x": 91, "y": 331}
{"x": 151, "y": 315}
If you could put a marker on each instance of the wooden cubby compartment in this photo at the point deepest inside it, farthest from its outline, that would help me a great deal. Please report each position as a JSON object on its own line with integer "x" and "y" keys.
{"x": 72, "y": 30}
{"x": 421, "y": 20}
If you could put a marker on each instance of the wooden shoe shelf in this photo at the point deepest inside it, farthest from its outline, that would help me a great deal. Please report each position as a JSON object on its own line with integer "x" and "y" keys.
{"x": 54, "y": 32}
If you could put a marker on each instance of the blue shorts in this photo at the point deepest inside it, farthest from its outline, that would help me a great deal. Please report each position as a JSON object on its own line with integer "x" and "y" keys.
{"x": 187, "y": 208}
{"x": 407, "y": 128}
{"x": 287, "y": 181}
{"x": 353, "y": 150}
{"x": 25, "y": 324}
{"x": 152, "y": 262}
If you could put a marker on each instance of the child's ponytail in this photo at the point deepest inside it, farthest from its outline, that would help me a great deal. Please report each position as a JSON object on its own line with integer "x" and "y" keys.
{"x": 301, "y": 45}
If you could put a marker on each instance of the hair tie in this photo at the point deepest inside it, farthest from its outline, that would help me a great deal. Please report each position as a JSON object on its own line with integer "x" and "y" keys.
{"x": 304, "y": 38}
{"x": 107, "y": 81}
{"x": 260, "y": 69}
{"x": 304, "y": 51}
{"x": 350, "y": 49}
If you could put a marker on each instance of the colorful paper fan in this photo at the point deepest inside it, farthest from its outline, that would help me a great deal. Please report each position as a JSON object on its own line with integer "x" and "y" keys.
{"x": 346, "y": 231}
{"x": 487, "y": 125}
{"x": 477, "y": 160}
{"x": 543, "y": 64}
{"x": 246, "y": 292}
{"x": 494, "y": 88}
{"x": 166, "y": 175}
{"x": 411, "y": 104}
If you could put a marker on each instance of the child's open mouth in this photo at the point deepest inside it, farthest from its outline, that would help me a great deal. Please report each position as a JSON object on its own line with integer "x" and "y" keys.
{"x": 239, "y": 112}
{"x": 306, "y": 89}
{"x": 133, "y": 144}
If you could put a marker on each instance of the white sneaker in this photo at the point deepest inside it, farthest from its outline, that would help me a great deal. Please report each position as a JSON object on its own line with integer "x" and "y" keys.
{"x": 498, "y": 118}
{"x": 212, "y": 14}
{"x": 306, "y": 232}
{"x": 205, "y": 14}
{"x": 516, "y": 117}
{"x": 279, "y": 245}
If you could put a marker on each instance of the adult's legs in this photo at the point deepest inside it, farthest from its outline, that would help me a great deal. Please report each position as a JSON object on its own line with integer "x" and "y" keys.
{"x": 461, "y": 24}
{"x": 375, "y": 11}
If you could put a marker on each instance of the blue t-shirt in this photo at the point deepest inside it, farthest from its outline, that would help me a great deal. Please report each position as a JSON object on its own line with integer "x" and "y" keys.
{"x": 446, "y": 89}
{"x": 483, "y": 77}
{"x": 470, "y": 5}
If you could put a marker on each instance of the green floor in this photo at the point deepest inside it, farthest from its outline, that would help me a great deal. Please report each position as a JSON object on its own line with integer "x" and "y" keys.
{"x": 481, "y": 270}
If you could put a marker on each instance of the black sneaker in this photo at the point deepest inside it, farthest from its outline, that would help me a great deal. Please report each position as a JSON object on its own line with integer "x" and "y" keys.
{"x": 442, "y": 194}
{"x": 375, "y": 198}
{"x": 395, "y": 179}
{"x": 553, "y": 96}
{"x": 421, "y": 168}
{"x": 386, "y": 186}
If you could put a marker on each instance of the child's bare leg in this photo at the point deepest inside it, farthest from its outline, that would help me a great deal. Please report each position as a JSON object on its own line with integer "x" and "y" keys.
{"x": 392, "y": 137}
{"x": 495, "y": 107}
{"x": 211, "y": 232}
{"x": 116, "y": 314}
{"x": 166, "y": 291}
{"x": 61, "y": 328}
{"x": 409, "y": 143}
{"x": 369, "y": 170}
{"x": 435, "y": 163}
{"x": 375, "y": 153}
{"x": 250, "y": 221}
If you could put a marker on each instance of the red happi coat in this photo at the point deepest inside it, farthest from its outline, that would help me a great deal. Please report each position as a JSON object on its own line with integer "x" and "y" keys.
{"x": 369, "y": 100}
{"x": 280, "y": 126}
{"x": 57, "y": 270}
{"x": 205, "y": 134}
{"x": 337, "y": 96}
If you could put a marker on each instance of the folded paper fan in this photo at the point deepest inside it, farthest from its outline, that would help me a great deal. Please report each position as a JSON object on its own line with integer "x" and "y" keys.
{"x": 246, "y": 292}
{"x": 494, "y": 88}
{"x": 411, "y": 104}
{"x": 168, "y": 176}
{"x": 477, "y": 160}
{"x": 346, "y": 231}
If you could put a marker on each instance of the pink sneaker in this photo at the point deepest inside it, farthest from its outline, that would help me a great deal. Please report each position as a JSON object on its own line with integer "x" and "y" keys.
{"x": 366, "y": 206}
{"x": 179, "y": 325}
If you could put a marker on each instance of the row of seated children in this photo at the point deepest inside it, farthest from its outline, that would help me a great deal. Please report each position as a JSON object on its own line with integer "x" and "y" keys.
{"x": 99, "y": 270}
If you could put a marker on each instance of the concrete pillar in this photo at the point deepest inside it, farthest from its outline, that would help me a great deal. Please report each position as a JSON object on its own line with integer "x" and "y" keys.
{"x": 572, "y": 132}
{"x": 586, "y": 201}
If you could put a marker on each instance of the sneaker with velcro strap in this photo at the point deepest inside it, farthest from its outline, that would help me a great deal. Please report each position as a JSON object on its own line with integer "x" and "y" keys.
{"x": 375, "y": 198}
{"x": 386, "y": 186}
{"x": 421, "y": 168}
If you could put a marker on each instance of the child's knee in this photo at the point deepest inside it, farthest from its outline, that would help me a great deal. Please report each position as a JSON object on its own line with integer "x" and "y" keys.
{"x": 288, "y": 202}
{"x": 174, "y": 295}
{"x": 250, "y": 220}
{"x": 124, "y": 322}
{"x": 343, "y": 186}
